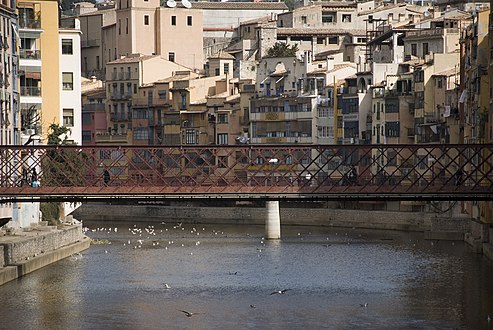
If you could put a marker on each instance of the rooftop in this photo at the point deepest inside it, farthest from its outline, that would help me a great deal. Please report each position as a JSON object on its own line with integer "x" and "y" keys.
{"x": 319, "y": 31}
{"x": 134, "y": 58}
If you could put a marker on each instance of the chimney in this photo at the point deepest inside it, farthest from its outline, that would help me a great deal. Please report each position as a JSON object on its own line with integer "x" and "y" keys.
{"x": 330, "y": 63}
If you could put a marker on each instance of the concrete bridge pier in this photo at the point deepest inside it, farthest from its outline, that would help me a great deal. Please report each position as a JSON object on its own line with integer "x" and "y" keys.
{"x": 273, "y": 220}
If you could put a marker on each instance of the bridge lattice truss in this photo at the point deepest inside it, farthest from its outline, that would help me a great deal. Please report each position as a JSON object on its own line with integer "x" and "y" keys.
{"x": 334, "y": 172}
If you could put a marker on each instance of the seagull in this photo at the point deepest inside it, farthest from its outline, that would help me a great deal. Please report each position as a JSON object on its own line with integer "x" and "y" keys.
{"x": 189, "y": 314}
{"x": 231, "y": 273}
{"x": 253, "y": 306}
{"x": 280, "y": 291}
{"x": 363, "y": 305}
{"x": 166, "y": 286}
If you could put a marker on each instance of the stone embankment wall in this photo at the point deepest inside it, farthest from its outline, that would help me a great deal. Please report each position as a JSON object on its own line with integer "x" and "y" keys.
{"x": 25, "y": 251}
{"x": 412, "y": 221}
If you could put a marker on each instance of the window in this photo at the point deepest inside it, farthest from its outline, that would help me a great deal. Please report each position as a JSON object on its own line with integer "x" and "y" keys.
{"x": 303, "y": 19}
{"x": 126, "y": 25}
{"x": 161, "y": 94}
{"x": 189, "y": 20}
{"x": 146, "y": 19}
{"x": 86, "y": 136}
{"x": 217, "y": 72}
{"x": 67, "y": 47}
{"x": 333, "y": 40}
{"x": 392, "y": 129}
{"x": 119, "y": 26}
{"x": 320, "y": 41}
{"x": 191, "y": 136}
{"x": 67, "y": 81}
{"x": 425, "y": 49}
{"x": 439, "y": 83}
{"x": 226, "y": 68}
{"x": 86, "y": 118}
{"x": 171, "y": 56}
{"x": 222, "y": 118}
{"x": 173, "y": 20}
{"x": 414, "y": 49}
{"x": 222, "y": 138}
{"x": 346, "y": 18}
{"x": 327, "y": 18}
{"x": 141, "y": 133}
{"x": 68, "y": 117}
{"x": 97, "y": 63}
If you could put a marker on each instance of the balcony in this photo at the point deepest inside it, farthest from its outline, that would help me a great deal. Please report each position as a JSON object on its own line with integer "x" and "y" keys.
{"x": 30, "y": 91}
{"x": 108, "y": 138}
{"x": 119, "y": 97}
{"x": 90, "y": 43}
{"x": 25, "y": 23}
{"x": 93, "y": 107}
{"x": 29, "y": 54}
{"x": 119, "y": 117}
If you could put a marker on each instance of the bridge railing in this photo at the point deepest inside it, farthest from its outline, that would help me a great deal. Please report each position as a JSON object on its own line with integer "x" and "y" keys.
{"x": 284, "y": 170}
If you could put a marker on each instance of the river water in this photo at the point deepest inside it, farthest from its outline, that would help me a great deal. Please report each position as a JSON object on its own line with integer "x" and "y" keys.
{"x": 144, "y": 276}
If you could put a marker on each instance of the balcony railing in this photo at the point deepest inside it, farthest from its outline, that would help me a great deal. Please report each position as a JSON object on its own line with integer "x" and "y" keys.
{"x": 89, "y": 43}
{"x": 30, "y": 54}
{"x": 25, "y": 23}
{"x": 30, "y": 91}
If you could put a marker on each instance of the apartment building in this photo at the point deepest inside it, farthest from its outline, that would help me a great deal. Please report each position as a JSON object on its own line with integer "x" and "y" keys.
{"x": 175, "y": 33}
{"x": 93, "y": 43}
{"x": 124, "y": 77}
{"x": 288, "y": 93}
{"x": 10, "y": 119}
{"x": 70, "y": 76}
{"x": 94, "y": 121}
{"x": 190, "y": 98}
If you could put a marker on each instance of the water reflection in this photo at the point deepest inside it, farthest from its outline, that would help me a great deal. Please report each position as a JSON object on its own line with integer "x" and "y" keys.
{"x": 219, "y": 272}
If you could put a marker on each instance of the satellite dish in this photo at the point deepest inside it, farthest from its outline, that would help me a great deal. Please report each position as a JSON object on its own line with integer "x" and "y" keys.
{"x": 171, "y": 3}
{"x": 186, "y": 3}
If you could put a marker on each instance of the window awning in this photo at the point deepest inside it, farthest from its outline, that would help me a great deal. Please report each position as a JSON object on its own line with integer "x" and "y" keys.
{"x": 33, "y": 75}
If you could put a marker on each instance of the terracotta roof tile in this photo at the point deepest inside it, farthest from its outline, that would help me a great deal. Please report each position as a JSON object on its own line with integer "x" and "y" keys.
{"x": 240, "y": 5}
{"x": 318, "y": 31}
{"x": 132, "y": 59}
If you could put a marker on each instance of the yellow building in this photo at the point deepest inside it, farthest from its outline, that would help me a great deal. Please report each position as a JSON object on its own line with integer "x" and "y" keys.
{"x": 40, "y": 62}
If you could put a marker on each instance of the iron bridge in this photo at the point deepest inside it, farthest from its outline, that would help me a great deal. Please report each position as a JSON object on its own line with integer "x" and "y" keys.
{"x": 270, "y": 172}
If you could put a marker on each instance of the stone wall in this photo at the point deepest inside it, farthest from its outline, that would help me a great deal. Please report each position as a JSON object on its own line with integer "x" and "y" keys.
{"x": 414, "y": 221}
{"x": 20, "y": 247}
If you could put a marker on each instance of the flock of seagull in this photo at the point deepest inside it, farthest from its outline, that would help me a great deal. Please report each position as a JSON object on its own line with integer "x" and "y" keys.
{"x": 148, "y": 233}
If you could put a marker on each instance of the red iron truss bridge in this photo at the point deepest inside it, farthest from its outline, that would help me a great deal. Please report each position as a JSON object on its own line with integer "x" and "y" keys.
{"x": 270, "y": 172}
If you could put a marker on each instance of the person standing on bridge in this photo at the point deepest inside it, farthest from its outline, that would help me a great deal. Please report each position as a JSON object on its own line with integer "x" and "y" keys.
{"x": 459, "y": 176}
{"x": 106, "y": 177}
{"x": 34, "y": 178}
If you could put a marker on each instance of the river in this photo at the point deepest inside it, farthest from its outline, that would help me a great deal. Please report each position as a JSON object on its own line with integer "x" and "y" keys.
{"x": 145, "y": 275}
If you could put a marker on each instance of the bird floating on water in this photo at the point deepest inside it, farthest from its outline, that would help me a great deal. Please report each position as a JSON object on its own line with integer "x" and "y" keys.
{"x": 253, "y": 306}
{"x": 166, "y": 286}
{"x": 363, "y": 305}
{"x": 280, "y": 291}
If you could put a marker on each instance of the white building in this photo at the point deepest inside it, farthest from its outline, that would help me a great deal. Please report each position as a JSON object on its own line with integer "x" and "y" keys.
{"x": 70, "y": 96}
